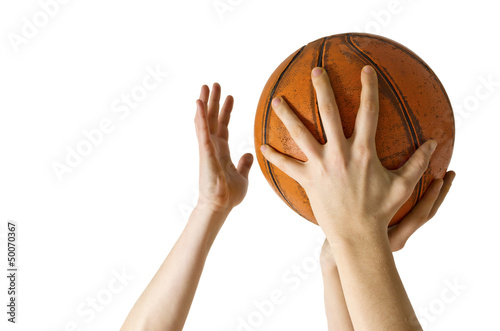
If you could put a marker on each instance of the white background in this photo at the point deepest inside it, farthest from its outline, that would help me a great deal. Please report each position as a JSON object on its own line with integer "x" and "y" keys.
{"x": 122, "y": 208}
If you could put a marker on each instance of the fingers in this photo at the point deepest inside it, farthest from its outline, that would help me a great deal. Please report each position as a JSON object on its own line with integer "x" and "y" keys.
{"x": 415, "y": 167}
{"x": 367, "y": 117}
{"x": 245, "y": 164}
{"x": 201, "y": 124}
{"x": 223, "y": 132}
{"x": 208, "y": 122}
{"x": 204, "y": 94}
{"x": 213, "y": 108}
{"x": 298, "y": 131}
{"x": 285, "y": 163}
{"x": 327, "y": 105}
{"x": 418, "y": 216}
{"x": 224, "y": 117}
{"x": 448, "y": 180}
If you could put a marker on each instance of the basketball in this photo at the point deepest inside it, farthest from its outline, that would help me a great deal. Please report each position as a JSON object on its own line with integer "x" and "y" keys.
{"x": 414, "y": 108}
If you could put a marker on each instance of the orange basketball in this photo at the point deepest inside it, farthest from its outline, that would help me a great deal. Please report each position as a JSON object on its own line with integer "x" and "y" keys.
{"x": 414, "y": 107}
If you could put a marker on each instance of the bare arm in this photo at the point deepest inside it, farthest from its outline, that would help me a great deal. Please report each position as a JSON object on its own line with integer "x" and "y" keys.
{"x": 374, "y": 292}
{"x": 337, "y": 314}
{"x": 165, "y": 303}
{"x": 354, "y": 197}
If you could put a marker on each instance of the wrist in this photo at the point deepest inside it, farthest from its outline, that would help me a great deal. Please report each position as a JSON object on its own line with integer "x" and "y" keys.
{"x": 204, "y": 224}
{"x": 210, "y": 208}
{"x": 211, "y": 215}
{"x": 356, "y": 237}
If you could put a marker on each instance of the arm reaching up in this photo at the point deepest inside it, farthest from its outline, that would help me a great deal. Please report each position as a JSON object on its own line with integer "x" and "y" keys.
{"x": 165, "y": 303}
{"x": 337, "y": 314}
{"x": 353, "y": 198}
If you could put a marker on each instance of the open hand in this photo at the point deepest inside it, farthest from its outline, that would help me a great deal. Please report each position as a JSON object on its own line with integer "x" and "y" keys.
{"x": 348, "y": 187}
{"x": 222, "y": 185}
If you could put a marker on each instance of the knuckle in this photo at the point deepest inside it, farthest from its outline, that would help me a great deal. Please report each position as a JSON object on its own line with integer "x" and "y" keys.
{"x": 297, "y": 132}
{"x": 371, "y": 106}
{"x": 222, "y": 132}
{"x": 328, "y": 109}
{"x": 337, "y": 164}
{"x": 422, "y": 219}
{"x": 364, "y": 152}
{"x": 282, "y": 163}
{"x": 421, "y": 162}
{"x": 402, "y": 186}
{"x": 321, "y": 169}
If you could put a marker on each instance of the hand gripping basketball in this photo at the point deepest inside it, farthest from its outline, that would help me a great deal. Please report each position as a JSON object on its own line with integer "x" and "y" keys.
{"x": 348, "y": 187}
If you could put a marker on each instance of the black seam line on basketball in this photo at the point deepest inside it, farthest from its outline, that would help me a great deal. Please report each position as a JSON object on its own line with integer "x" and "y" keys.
{"x": 320, "y": 64}
{"x": 416, "y": 58}
{"x": 268, "y": 165}
{"x": 384, "y": 76}
{"x": 403, "y": 104}
{"x": 421, "y": 61}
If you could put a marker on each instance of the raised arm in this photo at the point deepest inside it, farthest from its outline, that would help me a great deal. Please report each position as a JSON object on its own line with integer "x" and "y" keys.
{"x": 353, "y": 197}
{"x": 337, "y": 314}
{"x": 165, "y": 303}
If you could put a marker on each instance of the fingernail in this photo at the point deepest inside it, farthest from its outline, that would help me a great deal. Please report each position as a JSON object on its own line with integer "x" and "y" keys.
{"x": 368, "y": 69}
{"x": 276, "y": 101}
{"x": 317, "y": 71}
{"x": 433, "y": 146}
{"x": 263, "y": 148}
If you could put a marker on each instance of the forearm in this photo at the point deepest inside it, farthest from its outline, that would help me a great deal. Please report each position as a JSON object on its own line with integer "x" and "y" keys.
{"x": 373, "y": 290}
{"x": 165, "y": 303}
{"x": 337, "y": 314}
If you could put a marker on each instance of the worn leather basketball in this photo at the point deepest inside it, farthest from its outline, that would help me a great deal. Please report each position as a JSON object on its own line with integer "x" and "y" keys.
{"x": 414, "y": 107}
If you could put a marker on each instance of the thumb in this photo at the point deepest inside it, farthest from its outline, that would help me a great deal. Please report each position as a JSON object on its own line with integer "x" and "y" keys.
{"x": 245, "y": 164}
{"x": 415, "y": 167}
